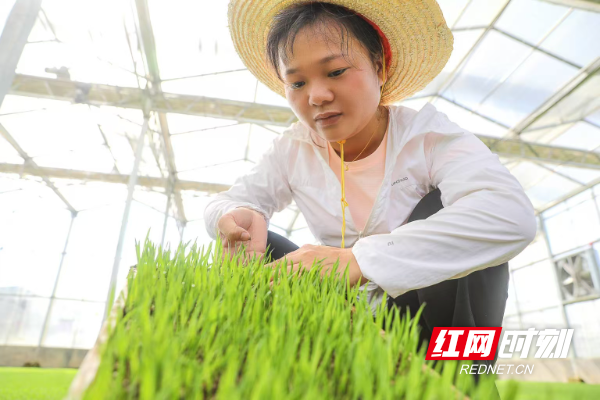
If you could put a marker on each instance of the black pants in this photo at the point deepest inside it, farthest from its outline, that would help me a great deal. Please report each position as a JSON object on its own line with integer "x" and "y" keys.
{"x": 476, "y": 300}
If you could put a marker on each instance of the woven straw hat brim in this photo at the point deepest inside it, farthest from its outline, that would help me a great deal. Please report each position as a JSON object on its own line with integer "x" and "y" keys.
{"x": 420, "y": 41}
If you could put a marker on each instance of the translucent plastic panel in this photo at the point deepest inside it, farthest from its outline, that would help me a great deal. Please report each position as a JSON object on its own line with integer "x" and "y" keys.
{"x": 181, "y": 123}
{"x": 586, "y": 338}
{"x": 300, "y": 222}
{"x": 495, "y": 58}
{"x": 577, "y": 105}
{"x": 511, "y": 322}
{"x": 81, "y": 60}
{"x": 517, "y": 19}
{"x": 84, "y": 196}
{"x": 32, "y": 238}
{"x": 594, "y": 118}
{"x": 545, "y": 135}
{"x": 527, "y": 88}
{"x": 199, "y": 32}
{"x": 529, "y": 174}
{"x": 157, "y": 201}
{"x": 73, "y": 324}
{"x": 283, "y": 219}
{"x": 536, "y": 286}
{"x": 195, "y": 232}
{"x": 49, "y": 132}
{"x": 480, "y": 13}
{"x": 224, "y": 173}
{"x": 21, "y": 320}
{"x": 13, "y": 104}
{"x": 550, "y": 318}
{"x": 8, "y": 154}
{"x": 172, "y": 237}
{"x": 511, "y": 301}
{"x": 92, "y": 45}
{"x": 93, "y": 159}
{"x": 463, "y": 43}
{"x": 201, "y": 149}
{"x": 575, "y": 227}
{"x": 260, "y": 141}
{"x": 452, "y": 9}
{"x": 194, "y": 204}
{"x": 576, "y": 38}
{"x": 143, "y": 221}
{"x": 468, "y": 120}
{"x": 264, "y": 95}
{"x": 240, "y": 86}
{"x": 5, "y": 8}
{"x": 582, "y": 135}
{"x": 550, "y": 189}
{"x": 90, "y": 254}
{"x": 536, "y": 251}
{"x": 41, "y": 32}
{"x": 302, "y": 236}
{"x": 415, "y": 103}
{"x": 582, "y": 175}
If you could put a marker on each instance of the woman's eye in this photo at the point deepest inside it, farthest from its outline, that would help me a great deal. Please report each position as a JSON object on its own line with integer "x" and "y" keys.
{"x": 339, "y": 72}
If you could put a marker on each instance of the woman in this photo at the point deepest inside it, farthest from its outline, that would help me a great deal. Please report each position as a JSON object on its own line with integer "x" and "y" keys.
{"x": 340, "y": 64}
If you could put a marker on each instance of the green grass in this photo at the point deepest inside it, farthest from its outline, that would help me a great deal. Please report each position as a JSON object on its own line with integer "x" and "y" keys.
{"x": 52, "y": 384}
{"x": 35, "y": 383}
{"x": 197, "y": 327}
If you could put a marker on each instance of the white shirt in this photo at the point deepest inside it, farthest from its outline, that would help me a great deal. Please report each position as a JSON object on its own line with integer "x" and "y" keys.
{"x": 487, "y": 219}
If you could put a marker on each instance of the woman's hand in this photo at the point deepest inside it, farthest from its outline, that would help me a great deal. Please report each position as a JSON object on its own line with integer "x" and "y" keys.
{"x": 243, "y": 226}
{"x": 308, "y": 253}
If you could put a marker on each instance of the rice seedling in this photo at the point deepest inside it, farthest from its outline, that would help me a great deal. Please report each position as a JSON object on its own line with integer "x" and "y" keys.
{"x": 199, "y": 325}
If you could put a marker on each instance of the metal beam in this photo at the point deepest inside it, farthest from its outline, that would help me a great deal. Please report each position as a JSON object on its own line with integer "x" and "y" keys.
{"x": 130, "y": 189}
{"x": 528, "y": 151}
{"x": 18, "y": 26}
{"x": 86, "y": 176}
{"x": 149, "y": 54}
{"x": 260, "y": 114}
{"x": 129, "y": 97}
{"x": 589, "y": 5}
{"x": 29, "y": 163}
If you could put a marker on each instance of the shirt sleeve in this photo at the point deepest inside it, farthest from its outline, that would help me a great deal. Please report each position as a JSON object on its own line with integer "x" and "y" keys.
{"x": 264, "y": 189}
{"x": 487, "y": 220}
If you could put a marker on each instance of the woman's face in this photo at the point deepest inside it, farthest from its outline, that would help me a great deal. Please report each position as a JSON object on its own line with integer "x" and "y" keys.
{"x": 319, "y": 80}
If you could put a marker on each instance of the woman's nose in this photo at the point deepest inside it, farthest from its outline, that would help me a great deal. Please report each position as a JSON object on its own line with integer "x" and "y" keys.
{"x": 319, "y": 94}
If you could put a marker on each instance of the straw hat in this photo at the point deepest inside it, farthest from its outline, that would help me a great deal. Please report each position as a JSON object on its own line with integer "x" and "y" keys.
{"x": 416, "y": 39}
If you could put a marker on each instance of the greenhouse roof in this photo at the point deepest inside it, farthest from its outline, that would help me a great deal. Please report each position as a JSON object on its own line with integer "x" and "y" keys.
{"x": 524, "y": 76}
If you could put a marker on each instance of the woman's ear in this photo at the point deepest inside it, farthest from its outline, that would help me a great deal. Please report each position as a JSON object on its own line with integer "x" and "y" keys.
{"x": 380, "y": 75}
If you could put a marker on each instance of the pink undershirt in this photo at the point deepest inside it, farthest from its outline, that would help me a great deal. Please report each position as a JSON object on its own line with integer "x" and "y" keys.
{"x": 362, "y": 179}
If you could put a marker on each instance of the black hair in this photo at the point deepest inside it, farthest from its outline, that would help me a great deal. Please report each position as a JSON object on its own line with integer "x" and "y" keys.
{"x": 288, "y": 23}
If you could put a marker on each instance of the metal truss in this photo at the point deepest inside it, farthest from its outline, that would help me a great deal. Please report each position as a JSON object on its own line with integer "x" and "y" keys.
{"x": 86, "y": 176}
{"x": 129, "y": 97}
{"x": 257, "y": 113}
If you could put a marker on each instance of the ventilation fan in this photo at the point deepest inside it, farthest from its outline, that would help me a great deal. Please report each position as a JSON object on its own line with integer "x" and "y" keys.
{"x": 578, "y": 276}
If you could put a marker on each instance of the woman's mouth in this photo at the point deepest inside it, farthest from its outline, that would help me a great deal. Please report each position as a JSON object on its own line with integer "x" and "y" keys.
{"x": 329, "y": 120}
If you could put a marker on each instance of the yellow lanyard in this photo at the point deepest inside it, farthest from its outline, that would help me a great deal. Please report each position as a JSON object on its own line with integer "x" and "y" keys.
{"x": 341, "y": 143}
{"x": 344, "y": 203}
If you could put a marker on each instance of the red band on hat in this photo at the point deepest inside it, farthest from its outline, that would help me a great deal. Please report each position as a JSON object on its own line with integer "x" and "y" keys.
{"x": 387, "y": 49}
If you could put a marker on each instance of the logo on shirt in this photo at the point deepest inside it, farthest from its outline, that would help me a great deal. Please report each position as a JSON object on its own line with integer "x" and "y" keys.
{"x": 400, "y": 180}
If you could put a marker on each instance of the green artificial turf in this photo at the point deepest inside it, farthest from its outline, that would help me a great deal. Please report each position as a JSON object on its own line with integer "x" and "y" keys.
{"x": 52, "y": 384}
{"x": 35, "y": 383}
{"x": 548, "y": 390}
